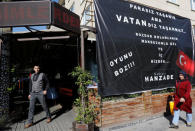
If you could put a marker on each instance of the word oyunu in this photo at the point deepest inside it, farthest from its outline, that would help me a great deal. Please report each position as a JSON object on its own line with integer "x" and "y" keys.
{"x": 121, "y": 59}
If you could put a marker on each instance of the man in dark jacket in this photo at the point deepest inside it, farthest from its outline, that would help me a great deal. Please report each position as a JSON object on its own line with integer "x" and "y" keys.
{"x": 37, "y": 91}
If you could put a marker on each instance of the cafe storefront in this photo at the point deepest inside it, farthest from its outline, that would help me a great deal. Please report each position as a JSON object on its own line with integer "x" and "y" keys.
{"x": 56, "y": 51}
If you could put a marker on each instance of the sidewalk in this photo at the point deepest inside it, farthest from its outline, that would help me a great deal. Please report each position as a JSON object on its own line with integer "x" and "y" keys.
{"x": 61, "y": 121}
{"x": 158, "y": 123}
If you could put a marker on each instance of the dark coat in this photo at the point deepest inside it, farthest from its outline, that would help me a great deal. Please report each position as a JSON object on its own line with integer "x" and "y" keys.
{"x": 183, "y": 89}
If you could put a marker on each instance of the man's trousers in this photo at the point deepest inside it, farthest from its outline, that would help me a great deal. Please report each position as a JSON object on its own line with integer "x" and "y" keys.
{"x": 41, "y": 97}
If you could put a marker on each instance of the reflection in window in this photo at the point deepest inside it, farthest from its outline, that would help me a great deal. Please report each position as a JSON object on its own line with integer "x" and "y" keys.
{"x": 173, "y": 1}
{"x": 193, "y": 30}
{"x": 193, "y": 4}
{"x": 72, "y": 7}
{"x": 193, "y": 33}
{"x": 86, "y": 16}
{"x": 81, "y": 1}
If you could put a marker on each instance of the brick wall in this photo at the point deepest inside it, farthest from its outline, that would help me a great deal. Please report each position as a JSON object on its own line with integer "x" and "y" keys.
{"x": 127, "y": 110}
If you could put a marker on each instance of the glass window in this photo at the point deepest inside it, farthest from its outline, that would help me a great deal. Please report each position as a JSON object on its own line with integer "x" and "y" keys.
{"x": 88, "y": 13}
{"x": 193, "y": 33}
{"x": 193, "y": 4}
{"x": 86, "y": 16}
{"x": 81, "y": 1}
{"x": 173, "y": 1}
{"x": 72, "y": 7}
{"x": 193, "y": 30}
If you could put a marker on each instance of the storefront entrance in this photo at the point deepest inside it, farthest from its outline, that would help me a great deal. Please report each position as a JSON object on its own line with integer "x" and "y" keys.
{"x": 55, "y": 52}
{"x": 56, "y": 55}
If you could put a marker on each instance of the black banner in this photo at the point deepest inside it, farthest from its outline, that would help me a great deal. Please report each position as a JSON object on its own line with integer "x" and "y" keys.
{"x": 138, "y": 47}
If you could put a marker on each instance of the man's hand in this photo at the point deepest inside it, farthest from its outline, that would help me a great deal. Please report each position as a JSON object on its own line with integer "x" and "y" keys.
{"x": 182, "y": 99}
{"x": 29, "y": 97}
{"x": 44, "y": 92}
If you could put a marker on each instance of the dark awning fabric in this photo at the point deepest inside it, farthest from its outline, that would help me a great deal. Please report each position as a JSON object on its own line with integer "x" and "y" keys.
{"x": 29, "y": 13}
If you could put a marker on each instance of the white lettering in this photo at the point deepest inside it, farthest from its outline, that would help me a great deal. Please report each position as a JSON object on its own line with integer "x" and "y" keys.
{"x": 118, "y": 17}
{"x": 137, "y": 22}
{"x": 121, "y": 70}
{"x": 116, "y": 61}
{"x": 121, "y": 58}
{"x": 147, "y": 79}
{"x": 116, "y": 73}
{"x": 111, "y": 63}
{"x": 158, "y": 77}
{"x": 125, "y": 20}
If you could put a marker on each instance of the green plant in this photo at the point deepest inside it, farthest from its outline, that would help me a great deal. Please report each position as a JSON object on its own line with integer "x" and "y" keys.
{"x": 120, "y": 97}
{"x": 13, "y": 83}
{"x": 84, "y": 108}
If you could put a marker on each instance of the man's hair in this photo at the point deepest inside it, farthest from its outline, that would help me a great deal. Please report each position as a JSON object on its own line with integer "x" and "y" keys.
{"x": 37, "y": 65}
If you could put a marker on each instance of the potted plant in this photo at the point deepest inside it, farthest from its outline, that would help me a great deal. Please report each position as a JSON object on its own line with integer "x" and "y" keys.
{"x": 84, "y": 108}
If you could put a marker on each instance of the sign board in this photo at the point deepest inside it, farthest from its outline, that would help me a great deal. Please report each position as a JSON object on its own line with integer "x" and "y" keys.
{"x": 140, "y": 48}
{"x": 33, "y": 13}
{"x": 63, "y": 18}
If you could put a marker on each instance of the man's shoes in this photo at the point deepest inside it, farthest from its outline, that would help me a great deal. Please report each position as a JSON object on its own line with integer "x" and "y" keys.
{"x": 173, "y": 126}
{"x": 48, "y": 120}
{"x": 189, "y": 125}
{"x": 28, "y": 125}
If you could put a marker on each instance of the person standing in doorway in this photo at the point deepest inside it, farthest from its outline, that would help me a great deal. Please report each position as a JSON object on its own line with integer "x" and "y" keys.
{"x": 182, "y": 100}
{"x": 38, "y": 86}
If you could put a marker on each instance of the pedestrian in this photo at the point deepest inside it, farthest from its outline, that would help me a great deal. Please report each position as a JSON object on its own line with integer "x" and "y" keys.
{"x": 182, "y": 100}
{"x": 38, "y": 85}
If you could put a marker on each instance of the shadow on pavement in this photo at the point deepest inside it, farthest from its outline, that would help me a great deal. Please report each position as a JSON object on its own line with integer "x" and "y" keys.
{"x": 167, "y": 114}
{"x": 66, "y": 106}
{"x": 20, "y": 111}
{"x": 5, "y": 128}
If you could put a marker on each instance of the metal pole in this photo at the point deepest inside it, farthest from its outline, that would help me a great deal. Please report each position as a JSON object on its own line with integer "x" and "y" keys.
{"x": 78, "y": 50}
{"x": 82, "y": 51}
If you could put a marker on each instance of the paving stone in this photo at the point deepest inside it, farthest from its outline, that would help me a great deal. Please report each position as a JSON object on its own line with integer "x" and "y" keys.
{"x": 62, "y": 122}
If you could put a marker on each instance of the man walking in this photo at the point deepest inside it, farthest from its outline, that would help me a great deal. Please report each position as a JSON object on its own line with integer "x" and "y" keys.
{"x": 37, "y": 91}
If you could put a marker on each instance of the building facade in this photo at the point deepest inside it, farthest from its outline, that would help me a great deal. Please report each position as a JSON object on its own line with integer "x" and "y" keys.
{"x": 85, "y": 8}
{"x": 14, "y": 72}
